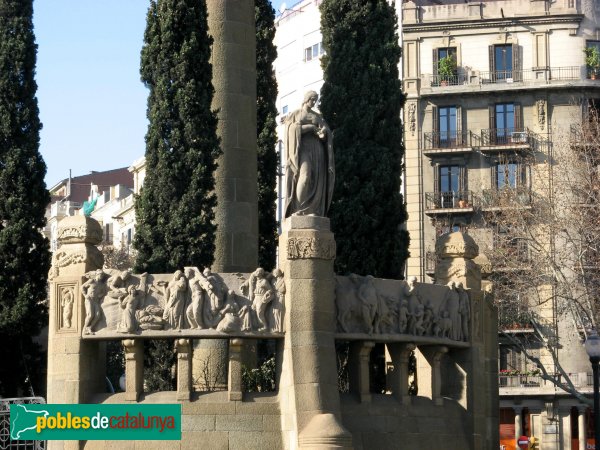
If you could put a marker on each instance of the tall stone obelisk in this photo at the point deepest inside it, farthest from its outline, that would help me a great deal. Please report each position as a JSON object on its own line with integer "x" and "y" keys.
{"x": 231, "y": 24}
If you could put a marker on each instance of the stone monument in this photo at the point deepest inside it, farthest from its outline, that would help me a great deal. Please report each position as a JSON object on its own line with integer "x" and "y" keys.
{"x": 302, "y": 305}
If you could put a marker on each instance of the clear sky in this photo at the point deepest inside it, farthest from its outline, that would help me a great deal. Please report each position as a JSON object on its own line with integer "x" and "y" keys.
{"x": 92, "y": 102}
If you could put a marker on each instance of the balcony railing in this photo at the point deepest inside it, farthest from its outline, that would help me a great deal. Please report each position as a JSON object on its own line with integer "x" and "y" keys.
{"x": 466, "y": 76}
{"x": 525, "y": 381}
{"x": 506, "y": 197}
{"x": 505, "y": 136}
{"x": 447, "y": 140}
{"x": 448, "y": 200}
{"x": 445, "y": 80}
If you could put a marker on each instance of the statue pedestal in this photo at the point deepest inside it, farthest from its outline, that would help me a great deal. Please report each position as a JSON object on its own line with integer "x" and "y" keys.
{"x": 309, "y": 389}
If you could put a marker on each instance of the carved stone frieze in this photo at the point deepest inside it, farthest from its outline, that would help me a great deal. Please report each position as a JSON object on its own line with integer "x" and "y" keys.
{"x": 456, "y": 244}
{"x": 65, "y": 257}
{"x": 305, "y": 247}
{"x": 188, "y": 302}
{"x": 79, "y": 229}
{"x": 412, "y": 121}
{"x": 370, "y": 306}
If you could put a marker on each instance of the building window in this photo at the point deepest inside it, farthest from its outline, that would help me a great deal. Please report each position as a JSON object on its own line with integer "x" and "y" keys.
{"x": 129, "y": 235}
{"x": 503, "y": 61}
{"x": 313, "y": 51}
{"x": 592, "y": 55}
{"x": 450, "y": 186}
{"x": 284, "y": 110}
{"x": 447, "y": 126}
{"x": 507, "y": 175}
{"x": 439, "y": 56}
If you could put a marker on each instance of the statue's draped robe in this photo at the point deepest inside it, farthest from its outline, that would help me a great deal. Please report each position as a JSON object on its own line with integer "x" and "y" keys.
{"x": 308, "y": 157}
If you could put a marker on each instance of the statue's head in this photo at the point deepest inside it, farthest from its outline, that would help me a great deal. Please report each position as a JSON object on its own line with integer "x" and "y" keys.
{"x": 310, "y": 95}
{"x": 260, "y": 272}
{"x": 206, "y": 271}
{"x": 277, "y": 273}
{"x": 412, "y": 281}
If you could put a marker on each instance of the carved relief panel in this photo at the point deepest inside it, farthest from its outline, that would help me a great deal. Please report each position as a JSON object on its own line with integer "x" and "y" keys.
{"x": 67, "y": 317}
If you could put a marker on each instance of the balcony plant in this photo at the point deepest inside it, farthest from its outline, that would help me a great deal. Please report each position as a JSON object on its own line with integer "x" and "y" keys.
{"x": 592, "y": 61}
{"x": 447, "y": 69}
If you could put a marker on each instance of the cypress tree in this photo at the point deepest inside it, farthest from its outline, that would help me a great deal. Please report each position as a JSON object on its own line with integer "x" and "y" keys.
{"x": 175, "y": 209}
{"x": 266, "y": 113}
{"x": 24, "y": 251}
{"x": 362, "y": 106}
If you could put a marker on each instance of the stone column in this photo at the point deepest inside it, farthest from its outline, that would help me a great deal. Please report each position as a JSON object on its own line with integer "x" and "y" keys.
{"x": 398, "y": 378}
{"x": 360, "y": 353}
{"x": 518, "y": 422}
{"x": 183, "y": 348}
{"x": 456, "y": 252}
{"x": 582, "y": 432}
{"x": 234, "y": 385}
{"x": 76, "y": 368}
{"x": 431, "y": 388}
{"x": 231, "y": 24}
{"x": 310, "y": 402}
{"x": 134, "y": 369}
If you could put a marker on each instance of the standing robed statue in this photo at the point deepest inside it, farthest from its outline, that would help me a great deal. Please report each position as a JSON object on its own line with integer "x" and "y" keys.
{"x": 310, "y": 170}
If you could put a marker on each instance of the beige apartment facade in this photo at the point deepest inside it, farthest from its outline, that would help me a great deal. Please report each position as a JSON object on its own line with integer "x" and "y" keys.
{"x": 492, "y": 88}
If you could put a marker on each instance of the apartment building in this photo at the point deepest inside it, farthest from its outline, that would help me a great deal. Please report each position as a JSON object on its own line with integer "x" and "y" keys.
{"x": 492, "y": 88}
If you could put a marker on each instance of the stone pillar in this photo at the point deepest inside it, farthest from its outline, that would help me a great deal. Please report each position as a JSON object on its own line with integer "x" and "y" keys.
{"x": 310, "y": 402}
{"x": 518, "y": 422}
{"x": 456, "y": 252}
{"x": 360, "y": 353}
{"x": 231, "y": 24}
{"x": 76, "y": 368}
{"x": 431, "y": 388}
{"x": 582, "y": 432}
{"x": 235, "y": 369}
{"x": 183, "y": 348}
{"x": 398, "y": 378}
{"x": 134, "y": 369}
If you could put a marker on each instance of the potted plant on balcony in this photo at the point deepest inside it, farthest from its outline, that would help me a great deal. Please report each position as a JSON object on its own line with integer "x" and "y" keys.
{"x": 446, "y": 69}
{"x": 592, "y": 61}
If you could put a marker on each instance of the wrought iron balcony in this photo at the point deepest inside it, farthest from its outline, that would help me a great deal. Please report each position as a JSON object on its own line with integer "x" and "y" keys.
{"x": 505, "y": 198}
{"x": 443, "y": 142}
{"x": 505, "y": 139}
{"x": 453, "y": 202}
{"x": 466, "y": 77}
{"x": 445, "y": 80}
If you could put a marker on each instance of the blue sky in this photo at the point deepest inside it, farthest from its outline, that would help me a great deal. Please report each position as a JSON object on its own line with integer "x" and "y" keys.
{"x": 92, "y": 102}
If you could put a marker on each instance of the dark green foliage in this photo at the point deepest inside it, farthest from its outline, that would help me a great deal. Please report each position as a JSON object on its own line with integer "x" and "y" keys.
{"x": 266, "y": 113}
{"x": 261, "y": 379}
{"x": 175, "y": 210}
{"x": 361, "y": 100}
{"x": 159, "y": 362}
{"x": 24, "y": 252}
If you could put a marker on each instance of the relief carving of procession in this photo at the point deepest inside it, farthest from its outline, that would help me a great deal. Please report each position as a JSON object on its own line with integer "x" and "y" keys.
{"x": 366, "y": 305}
{"x": 119, "y": 302}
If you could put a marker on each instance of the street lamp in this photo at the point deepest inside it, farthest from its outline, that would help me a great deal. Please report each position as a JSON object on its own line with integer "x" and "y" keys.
{"x": 592, "y": 347}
